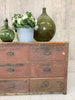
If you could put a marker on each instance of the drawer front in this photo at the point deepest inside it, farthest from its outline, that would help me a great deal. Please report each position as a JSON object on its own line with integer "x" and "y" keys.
{"x": 47, "y": 69}
{"x": 40, "y": 52}
{"x": 38, "y": 86}
{"x": 14, "y": 86}
{"x": 13, "y": 52}
{"x": 14, "y": 70}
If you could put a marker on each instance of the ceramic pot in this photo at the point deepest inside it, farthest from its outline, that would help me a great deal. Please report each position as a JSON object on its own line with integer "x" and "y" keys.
{"x": 25, "y": 34}
{"x": 6, "y": 34}
{"x": 46, "y": 29}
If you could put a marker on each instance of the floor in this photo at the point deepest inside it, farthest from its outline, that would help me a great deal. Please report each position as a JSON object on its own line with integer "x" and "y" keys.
{"x": 70, "y": 90}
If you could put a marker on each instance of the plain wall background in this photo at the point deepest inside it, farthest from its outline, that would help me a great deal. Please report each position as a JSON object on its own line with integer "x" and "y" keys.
{"x": 61, "y": 11}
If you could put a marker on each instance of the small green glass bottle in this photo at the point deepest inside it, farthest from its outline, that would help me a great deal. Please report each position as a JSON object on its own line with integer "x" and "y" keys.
{"x": 6, "y": 34}
{"x": 46, "y": 29}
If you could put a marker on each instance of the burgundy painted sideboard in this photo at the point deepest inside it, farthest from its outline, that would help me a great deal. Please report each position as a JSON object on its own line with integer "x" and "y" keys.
{"x": 33, "y": 68}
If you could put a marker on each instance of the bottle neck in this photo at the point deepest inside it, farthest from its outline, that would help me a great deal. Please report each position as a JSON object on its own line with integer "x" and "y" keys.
{"x": 44, "y": 10}
{"x": 6, "y": 23}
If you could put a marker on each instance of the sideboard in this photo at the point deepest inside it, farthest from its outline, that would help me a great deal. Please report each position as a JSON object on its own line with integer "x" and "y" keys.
{"x": 33, "y": 68}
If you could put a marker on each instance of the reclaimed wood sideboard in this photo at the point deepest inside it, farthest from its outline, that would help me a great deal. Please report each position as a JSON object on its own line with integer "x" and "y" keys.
{"x": 33, "y": 68}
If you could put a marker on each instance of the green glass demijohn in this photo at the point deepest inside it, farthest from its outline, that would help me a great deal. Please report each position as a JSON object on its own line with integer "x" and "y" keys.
{"x": 6, "y": 34}
{"x": 46, "y": 29}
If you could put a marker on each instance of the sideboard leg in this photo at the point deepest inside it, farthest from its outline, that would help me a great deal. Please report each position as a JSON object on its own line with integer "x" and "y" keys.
{"x": 64, "y": 92}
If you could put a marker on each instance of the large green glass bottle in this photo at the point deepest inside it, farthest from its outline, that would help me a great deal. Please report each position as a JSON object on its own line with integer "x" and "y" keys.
{"x": 46, "y": 29}
{"x": 6, "y": 34}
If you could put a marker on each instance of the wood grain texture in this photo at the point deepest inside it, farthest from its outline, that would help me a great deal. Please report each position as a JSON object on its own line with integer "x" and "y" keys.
{"x": 13, "y": 52}
{"x": 13, "y": 86}
{"x": 14, "y": 70}
{"x": 47, "y": 52}
{"x": 39, "y": 86}
{"x": 61, "y": 11}
{"x": 47, "y": 69}
{"x": 46, "y": 74}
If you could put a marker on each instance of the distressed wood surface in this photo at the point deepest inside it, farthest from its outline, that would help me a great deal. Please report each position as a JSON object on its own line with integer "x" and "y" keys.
{"x": 43, "y": 73}
{"x": 61, "y": 11}
{"x": 14, "y": 86}
{"x": 43, "y": 70}
{"x": 40, "y": 86}
{"x": 14, "y": 70}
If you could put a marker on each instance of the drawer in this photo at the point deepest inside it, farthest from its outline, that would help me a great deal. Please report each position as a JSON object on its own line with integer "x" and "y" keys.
{"x": 47, "y": 52}
{"x": 51, "y": 85}
{"x": 14, "y": 70}
{"x": 14, "y": 86}
{"x": 13, "y": 52}
{"x": 47, "y": 69}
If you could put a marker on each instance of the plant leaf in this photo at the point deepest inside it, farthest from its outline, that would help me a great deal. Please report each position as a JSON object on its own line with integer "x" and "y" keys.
{"x": 29, "y": 14}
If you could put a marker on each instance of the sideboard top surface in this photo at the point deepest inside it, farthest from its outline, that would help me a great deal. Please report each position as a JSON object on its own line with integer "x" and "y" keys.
{"x": 32, "y": 42}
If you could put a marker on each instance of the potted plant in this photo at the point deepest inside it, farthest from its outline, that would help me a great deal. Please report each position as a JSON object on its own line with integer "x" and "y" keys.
{"x": 24, "y": 25}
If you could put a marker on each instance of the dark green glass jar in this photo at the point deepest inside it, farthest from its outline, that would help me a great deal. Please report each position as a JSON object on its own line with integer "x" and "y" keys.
{"x": 6, "y": 34}
{"x": 46, "y": 29}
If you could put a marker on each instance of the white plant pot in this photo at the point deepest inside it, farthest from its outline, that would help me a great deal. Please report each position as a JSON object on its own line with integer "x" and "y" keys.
{"x": 25, "y": 34}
